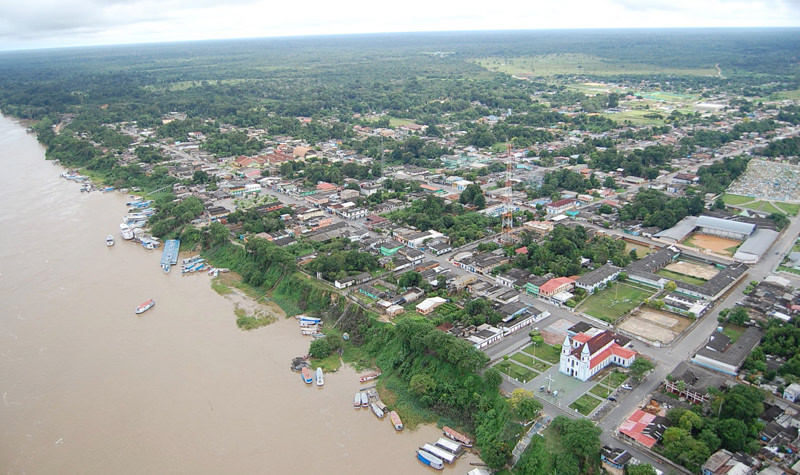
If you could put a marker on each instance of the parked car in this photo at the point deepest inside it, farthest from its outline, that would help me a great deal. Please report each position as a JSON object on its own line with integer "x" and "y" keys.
{"x": 626, "y": 386}
{"x": 612, "y": 398}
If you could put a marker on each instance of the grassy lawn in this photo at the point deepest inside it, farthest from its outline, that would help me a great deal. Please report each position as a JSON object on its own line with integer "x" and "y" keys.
{"x": 641, "y": 250}
{"x": 329, "y": 364}
{"x": 788, "y": 269}
{"x": 551, "y": 354}
{"x": 600, "y": 391}
{"x": 614, "y": 379}
{"x": 789, "y": 208}
{"x": 614, "y": 301}
{"x": 732, "y": 331}
{"x": 585, "y": 404}
{"x": 516, "y": 371}
{"x": 735, "y": 200}
{"x": 523, "y": 358}
{"x": 637, "y": 117}
{"x": 681, "y": 277}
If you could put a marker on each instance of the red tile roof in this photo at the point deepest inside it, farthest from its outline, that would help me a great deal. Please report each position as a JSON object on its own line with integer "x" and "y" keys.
{"x": 635, "y": 425}
{"x": 552, "y": 284}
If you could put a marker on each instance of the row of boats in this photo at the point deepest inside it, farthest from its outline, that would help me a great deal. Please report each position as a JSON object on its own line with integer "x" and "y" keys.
{"x": 310, "y": 326}
{"x": 305, "y": 372}
{"x": 444, "y": 450}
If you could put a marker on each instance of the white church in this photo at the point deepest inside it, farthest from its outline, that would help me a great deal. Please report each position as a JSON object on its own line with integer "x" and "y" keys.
{"x": 585, "y": 355}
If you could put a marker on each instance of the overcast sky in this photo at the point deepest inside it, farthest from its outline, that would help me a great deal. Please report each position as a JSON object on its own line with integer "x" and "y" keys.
{"x": 28, "y": 24}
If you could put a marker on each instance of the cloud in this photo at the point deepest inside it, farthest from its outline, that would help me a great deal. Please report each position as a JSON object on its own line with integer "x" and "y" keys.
{"x": 50, "y": 23}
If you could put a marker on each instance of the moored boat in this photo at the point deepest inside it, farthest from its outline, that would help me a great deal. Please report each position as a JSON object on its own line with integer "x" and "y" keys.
{"x": 369, "y": 377}
{"x": 453, "y": 447}
{"x": 357, "y": 401}
{"x": 377, "y": 411}
{"x": 145, "y": 306}
{"x": 125, "y": 231}
{"x": 309, "y": 330}
{"x": 398, "y": 424}
{"x": 364, "y": 400}
{"x": 440, "y": 453}
{"x": 320, "y": 377}
{"x": 110, "y": 240}
{"x": 457, "y": 436}
{"x": 306, "y": 375}
{"x": 430, "y": 460}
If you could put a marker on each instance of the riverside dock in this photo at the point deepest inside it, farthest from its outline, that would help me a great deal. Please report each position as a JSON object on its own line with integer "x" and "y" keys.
{"x": 170, "y": 255}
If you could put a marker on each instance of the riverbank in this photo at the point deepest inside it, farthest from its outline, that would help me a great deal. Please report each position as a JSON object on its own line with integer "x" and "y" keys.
{"x": 91, "y": 387}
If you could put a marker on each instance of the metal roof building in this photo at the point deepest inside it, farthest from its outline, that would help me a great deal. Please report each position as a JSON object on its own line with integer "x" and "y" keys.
{"x": 755, "y": 246}
{"x": 724, "y": 228}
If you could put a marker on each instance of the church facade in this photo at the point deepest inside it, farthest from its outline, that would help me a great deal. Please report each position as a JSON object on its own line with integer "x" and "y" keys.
{"x": 583, "y": 356}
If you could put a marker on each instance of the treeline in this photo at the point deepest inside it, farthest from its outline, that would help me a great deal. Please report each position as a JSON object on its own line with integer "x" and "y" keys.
{"x": 643, "y": 163}
{"x": 654, "y": 208}
{"x": 716, "y": 178}
{"x": 716, "y": 138}
{"x": 563, "y": 249}
{"x": 451, "y": 219}
{"x": 730, "y": 422}
{"x": 789, "y": 147}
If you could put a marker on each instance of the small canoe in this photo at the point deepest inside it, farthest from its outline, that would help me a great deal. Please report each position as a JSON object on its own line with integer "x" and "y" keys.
{"x": 369, "y": 377}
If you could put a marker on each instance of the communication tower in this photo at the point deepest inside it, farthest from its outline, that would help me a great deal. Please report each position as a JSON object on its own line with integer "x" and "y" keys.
{"x": 508, "y": 217}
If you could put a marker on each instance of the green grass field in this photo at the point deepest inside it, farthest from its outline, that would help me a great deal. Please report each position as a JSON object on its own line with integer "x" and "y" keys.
{"x": 732, "y": 331}
{"x": 614, "y": 379}
{"x": 736, "y": 200}
{"x": 585, "y": 404}
{"x": 614, "y": 301}
{"x": 547, "y": 353}
{"x": 601, "y": 390}
{"x": 641, "y": 250}
{"x": 569, "y": 63}
{"x": 637, "y": 117}
{"x": 789, "y": 208}
{"x": 523, "y": 358}
{"x": 516, "y": 371}
{"x": 681, "y": 277}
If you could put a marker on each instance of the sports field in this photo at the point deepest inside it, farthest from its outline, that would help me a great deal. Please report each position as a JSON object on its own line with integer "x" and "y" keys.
{"x": 614, "y": 301}
{"x": 653, "y": 325}
{"x": 715, "y": 244}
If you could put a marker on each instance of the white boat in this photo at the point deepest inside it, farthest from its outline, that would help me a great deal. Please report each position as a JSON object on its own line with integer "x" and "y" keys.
{"x": 439, "y": 453}
{"x": 377, "y": 410}
{"x": 125, "y": 231}
{"x": 308, "y": 330}
{"x": 430, "y": 460}
{"x": 357, "y": 400}
{"x": 364, "y": 399}
{"x": 320, "y": 377}
{"x": 145, "y": 306}
{"x": 450, "y": 446}
{"x": 110, "y": 240}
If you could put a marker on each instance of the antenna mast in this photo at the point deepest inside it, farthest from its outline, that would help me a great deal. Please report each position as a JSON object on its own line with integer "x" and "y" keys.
{"x": 508, "y": 217}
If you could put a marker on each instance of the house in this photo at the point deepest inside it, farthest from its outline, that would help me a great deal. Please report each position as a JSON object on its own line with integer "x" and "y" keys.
{"x": 720, "y": 355}
{"x": 644, "y": 428}
{"x": 792, "y": 392}
{"x": 616, "y": 458}
{"x": 583, "y": 356}
{"x": 429, "y": 305}
{"x": 724, "y": 463}
{"x": 554, "y": 286}
{"x": 513, "y": 278}
{"x": 693, "y": 382}
{"x": 438, "y": 247}
{"x": 597, "y": 278}
{"x": 558, "y": 207}
{"x": 390, "y": 248}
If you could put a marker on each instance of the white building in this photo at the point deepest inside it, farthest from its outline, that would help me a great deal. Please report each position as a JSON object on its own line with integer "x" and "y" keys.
{"x": 584, "y": 356}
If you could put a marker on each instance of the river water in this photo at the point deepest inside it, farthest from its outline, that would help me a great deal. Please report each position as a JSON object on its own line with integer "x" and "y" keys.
{"x": 89, "y": 387}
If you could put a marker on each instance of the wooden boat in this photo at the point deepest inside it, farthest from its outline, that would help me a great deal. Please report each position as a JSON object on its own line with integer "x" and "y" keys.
{"x": 357, "y": 401}
{"x": 377, "y": 410}
{"x": 369, "y": 377}
{"x": 398, "y": 424}
{"x": 306, "y": 375}
{"x": 320, "y": 377}
{"x": 457, "y": 436}
{"x": 145, "y": 306}
{"x": 364, "y": 400}
{"x": 430, "y": 460}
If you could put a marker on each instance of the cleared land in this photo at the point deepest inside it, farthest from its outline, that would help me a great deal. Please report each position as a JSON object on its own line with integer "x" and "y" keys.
{"x": 614, "y": 301}
{"x": 655, "y": 326}
{"x": 641, "y": 250}
{"x": 694, "y": 269}
{"x": 717, "y": 245}
{"x": 568, "y": 63}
